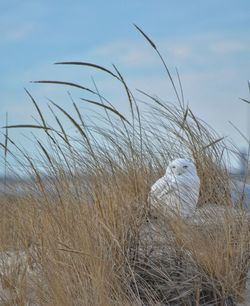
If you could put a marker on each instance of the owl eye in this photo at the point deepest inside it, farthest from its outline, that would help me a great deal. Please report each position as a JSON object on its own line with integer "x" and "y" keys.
{"x": 173, "y": 167}
{"x": 185, "y": 166}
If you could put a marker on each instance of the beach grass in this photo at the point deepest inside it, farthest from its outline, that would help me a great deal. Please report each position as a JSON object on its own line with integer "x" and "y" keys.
{"x": 80, "y": 230}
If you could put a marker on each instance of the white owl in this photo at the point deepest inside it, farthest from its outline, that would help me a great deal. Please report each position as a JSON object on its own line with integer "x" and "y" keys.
{"x": 178, "y": 190}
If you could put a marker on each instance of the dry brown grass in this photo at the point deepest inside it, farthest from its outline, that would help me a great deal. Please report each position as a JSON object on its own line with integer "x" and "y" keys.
{"x": 84, "y": 234}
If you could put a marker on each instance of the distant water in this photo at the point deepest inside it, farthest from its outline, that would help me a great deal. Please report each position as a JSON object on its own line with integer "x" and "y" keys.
{"x": 240, "y": 191}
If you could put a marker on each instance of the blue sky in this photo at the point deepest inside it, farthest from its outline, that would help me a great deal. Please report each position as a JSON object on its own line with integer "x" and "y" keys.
{"x": 208, "y": 41}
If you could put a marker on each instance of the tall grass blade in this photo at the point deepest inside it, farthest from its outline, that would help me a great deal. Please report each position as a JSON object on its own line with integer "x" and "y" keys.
{"x": 89, "y": 65}
{"x": 152, "y": 98}
{"x": 181, "y": 87}
{"x": 36, "y": 106}
{"x": 147, "y": 38}
{"x": 33, "y": 126}
{"x": 73, "y": 121}
{"x": 65, "y": 136}
{"x": 162, "y": 60}
{"x": 213, "y": 143}
{"x": 113, "y": 110}
{"x": 129, "y": 94}
{"x": 6, "y": 150}
{"x": 244, "y": 100}
{"x": 64, "y": 83}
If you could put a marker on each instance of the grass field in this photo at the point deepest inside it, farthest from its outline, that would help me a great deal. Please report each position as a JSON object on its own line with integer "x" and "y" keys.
{"x": 85, "y": 234}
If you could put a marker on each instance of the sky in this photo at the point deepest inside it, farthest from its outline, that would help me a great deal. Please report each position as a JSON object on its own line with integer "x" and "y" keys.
{"x": 208, "y": 41}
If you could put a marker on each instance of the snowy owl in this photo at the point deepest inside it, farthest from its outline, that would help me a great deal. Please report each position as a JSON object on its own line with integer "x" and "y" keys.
{"x": 178, "y": 190}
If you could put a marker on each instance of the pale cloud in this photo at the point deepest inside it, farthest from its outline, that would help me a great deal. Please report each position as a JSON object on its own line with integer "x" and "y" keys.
{"x": 181, "y": 52}
{"x": 127, "y": 52}
{"x": 15, "y": 33}
{"x": 196, "y": 48}
{"x": 229, "y": 47}
{"x": 140, "y": 54}
{"x": 205, "y": 46}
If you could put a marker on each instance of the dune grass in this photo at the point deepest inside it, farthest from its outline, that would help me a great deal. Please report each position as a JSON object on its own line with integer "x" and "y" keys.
{"x": 84, "y": 233}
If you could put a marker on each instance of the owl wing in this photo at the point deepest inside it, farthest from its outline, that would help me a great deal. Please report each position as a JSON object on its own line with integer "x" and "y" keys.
{"x": 161, "y": 189}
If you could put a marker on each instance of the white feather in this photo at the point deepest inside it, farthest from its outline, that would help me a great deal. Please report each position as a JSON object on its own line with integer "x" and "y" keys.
{"x": 178, "y": 190}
